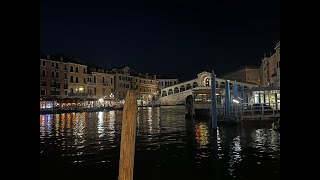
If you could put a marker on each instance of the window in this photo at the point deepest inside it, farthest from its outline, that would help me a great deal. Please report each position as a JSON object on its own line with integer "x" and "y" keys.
{"x": 77, "y": 80}
{"x": 94, "y": 79}
{"x": 43, "y": 63}
{"x": 65, "y": 67}
{"x": 65, "y": 76}
{"x": 66, "y": 93}
{"x": 77, "y": 70}
{"x": 58, "y": 85}
{"x": 277, "y": 64}
{"x": 65, "y": 86}
{"x": 71, "y": 68}
{"x": 52, "y": 74}
{"x": 57, "y": 74}
{"x": 84, "y": 80}
{"x": 58, "y": 92}
{"x": 111, "y": 80}
{"x": 43, "y": 83}
{"x": 102, "y": 79}
{"x": 52, "y": 92}
{"x": 53, "y": 84}
{"x": 119, "y": 77}
{"x": 84, "y": 70}
{"x": 57, "y": 65}
{"x": 43, "y": 73}
{"x": 71, "y": 79}
{"x": 43, "y": 92}
{"x": 71, "y": 90}
{"x": 52, "y": 64}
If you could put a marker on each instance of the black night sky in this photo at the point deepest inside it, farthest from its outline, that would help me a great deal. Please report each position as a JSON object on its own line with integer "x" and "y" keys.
{"x": 180, "y": 38}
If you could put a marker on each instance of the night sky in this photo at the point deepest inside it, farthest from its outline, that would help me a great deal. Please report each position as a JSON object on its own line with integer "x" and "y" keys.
{"x": 180, "y": 38}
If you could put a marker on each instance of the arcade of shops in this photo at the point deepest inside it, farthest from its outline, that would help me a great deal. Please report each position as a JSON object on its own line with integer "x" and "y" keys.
{"x": 67, "y": 103}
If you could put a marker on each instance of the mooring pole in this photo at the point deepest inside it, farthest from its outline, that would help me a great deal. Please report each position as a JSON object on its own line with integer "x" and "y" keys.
{"x": 128, "y": 136}
{"x": 227, "y": 101}
{"x": 213, "y": 101}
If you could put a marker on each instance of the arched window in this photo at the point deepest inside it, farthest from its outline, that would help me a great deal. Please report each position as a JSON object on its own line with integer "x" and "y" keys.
{"x": 170, "y": 92}
{"x": 52, "y": 74}
{"x": 222, "y": 85}
{"x": 94, "y": 80}
{"x": 71, "y": 68}
{"x": 207, "y": 82}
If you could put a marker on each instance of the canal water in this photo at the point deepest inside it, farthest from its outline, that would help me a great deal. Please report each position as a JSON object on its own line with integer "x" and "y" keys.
{"x": 168, "y": 146}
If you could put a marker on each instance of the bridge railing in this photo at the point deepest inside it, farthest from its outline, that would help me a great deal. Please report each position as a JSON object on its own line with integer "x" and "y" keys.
{"x": 247, "y": 109}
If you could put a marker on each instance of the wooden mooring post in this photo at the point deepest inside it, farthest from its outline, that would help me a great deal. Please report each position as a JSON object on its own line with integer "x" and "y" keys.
{"x": 128, "y": 136}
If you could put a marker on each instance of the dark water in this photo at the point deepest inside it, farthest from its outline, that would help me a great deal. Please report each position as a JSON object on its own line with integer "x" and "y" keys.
{"x": 86, "y": 146}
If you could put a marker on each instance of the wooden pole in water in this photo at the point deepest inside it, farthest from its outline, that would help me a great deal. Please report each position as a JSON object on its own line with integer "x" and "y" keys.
{"x": 128, "y": 136}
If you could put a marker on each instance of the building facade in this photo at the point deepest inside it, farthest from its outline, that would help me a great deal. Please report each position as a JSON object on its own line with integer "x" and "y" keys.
{"x": 162, "y": 83}
{"x": 245, "y": 74}
{"x": 125, "y": 79}
{"x": 53, "y": 79}
{"x": 271, "y": 69}
{"x": 77, "y": 77}
{"x": 148, "y": 89}
{"x": 100, "y": 83}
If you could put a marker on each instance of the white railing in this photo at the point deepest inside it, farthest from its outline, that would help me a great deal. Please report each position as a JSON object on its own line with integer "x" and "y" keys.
{"x": 246, "y": 109}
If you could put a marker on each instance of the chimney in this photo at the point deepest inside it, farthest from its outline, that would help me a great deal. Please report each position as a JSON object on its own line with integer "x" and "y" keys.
{"x": 48, "y": 56}
{"x": 154, "y": 76}
{"x": 146, "y": 75}
{"x": 265, "y": 54}
{"x": 270, "y": 54}
{"x": 61, "y": 58}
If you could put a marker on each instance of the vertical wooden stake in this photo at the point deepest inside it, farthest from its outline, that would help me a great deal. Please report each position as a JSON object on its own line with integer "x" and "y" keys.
{"x": 128, "y": 136}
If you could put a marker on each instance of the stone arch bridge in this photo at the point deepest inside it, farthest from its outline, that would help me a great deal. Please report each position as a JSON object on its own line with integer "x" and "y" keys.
{"x": 177, "y": 94}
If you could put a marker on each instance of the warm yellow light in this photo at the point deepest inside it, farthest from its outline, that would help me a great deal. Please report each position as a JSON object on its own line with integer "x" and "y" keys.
{"x": 80, "y": 89}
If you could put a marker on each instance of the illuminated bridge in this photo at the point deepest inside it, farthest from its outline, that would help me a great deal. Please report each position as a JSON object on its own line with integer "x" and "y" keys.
{"x": 178, "y": 93}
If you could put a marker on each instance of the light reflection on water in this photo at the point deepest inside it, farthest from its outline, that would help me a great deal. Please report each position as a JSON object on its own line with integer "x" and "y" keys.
{"x": 166, "y": 144}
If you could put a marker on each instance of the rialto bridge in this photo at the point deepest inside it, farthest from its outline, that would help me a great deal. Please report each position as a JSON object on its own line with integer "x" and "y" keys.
{"x": 177, "y": 94}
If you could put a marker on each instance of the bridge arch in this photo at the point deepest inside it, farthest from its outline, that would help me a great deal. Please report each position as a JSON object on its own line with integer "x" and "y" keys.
{"x": 194, "y": 84}
{"x": 164, "y": 93}
{"x": 170, "y": 92}
{"x": 188, "y": 86}
{"x": 222, "y": 85}
{"x": 176, "y": 90}
{"x": 182, "y": 88}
